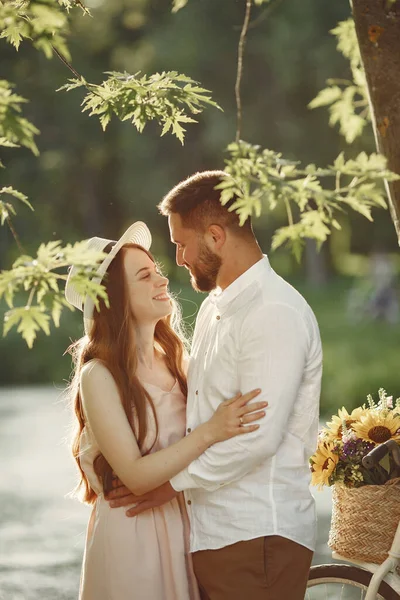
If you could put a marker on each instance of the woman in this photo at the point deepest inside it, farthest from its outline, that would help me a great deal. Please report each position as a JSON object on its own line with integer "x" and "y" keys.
{"x": 129, "y": 391}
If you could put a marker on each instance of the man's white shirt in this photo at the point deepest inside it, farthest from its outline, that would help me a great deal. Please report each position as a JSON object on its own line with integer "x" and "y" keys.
{"x": 258, "y": 333}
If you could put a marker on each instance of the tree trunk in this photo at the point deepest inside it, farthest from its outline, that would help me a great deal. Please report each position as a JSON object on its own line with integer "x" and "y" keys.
{"x": 378, "y": 31}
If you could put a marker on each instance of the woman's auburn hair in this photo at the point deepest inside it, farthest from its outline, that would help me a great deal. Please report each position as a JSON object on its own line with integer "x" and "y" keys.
{"x": 111, "y": 340}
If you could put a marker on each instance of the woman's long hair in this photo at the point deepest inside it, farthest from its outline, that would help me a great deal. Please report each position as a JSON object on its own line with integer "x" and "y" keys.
{"x": 111, "y": 340}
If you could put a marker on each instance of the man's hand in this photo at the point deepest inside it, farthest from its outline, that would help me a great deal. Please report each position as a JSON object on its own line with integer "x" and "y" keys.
{"x": 121, "y": 496}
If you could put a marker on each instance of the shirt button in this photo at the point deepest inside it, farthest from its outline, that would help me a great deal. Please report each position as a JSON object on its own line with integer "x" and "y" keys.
{"x": 189, "y": 502}
{"x": 189, "y": 430}
{"x": 197, "y": 392}
{"x": 218, "y": 317}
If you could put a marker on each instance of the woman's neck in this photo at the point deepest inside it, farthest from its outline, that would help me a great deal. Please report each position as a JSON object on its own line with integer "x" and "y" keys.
{"x": 144, "y": 338}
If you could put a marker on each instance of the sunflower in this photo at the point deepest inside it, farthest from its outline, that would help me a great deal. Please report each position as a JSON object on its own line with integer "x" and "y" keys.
{"x": 323, "y": 463}
{"x": 334, "y": 429}
{"x": 378, "y": 427}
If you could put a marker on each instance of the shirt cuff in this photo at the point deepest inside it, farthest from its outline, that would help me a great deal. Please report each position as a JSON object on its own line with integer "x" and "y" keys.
{"x": 183, "y": 481}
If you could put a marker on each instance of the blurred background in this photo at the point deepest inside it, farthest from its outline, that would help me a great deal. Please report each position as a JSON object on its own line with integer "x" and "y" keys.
{"x": 86, "y": 182}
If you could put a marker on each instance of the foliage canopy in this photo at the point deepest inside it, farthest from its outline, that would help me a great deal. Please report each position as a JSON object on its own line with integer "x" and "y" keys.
{"x": 262, "y": 179}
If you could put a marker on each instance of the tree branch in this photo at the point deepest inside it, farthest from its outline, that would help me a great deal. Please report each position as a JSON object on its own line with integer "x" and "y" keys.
{"x": 15, "y": 235}
{"x": 265, "y": 14}
{"x": 89, "y": 87}
{"x": 242, "y": 41}
{"x": 66, "y": 63}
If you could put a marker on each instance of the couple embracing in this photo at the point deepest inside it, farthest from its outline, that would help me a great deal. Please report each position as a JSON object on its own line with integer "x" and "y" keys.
{"x": 197, "y": 472}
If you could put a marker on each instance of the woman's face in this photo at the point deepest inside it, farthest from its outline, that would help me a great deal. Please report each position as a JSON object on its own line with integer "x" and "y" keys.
{"x": 147, "y": 288}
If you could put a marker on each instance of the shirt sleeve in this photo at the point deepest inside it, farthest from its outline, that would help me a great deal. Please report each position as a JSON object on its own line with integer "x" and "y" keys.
{"x": 273, "y": 350}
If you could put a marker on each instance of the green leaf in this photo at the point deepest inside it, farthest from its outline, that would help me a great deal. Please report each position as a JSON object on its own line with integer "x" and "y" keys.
{"x": 326, "y": 96}
{"x": 28, "y": 320}
{"x": 353, "y": 127}
{"x": 5, "y": 210}
{"x": 178, "y": 4}
{"x": 15, "y": 130}
{"x": 372, "y": 193}
{"x": 289, "y": 235}
{"x": 359, "y": 207}
{"x": 346, "y": 36}
{"x": 347, "y": 100}
{"x": 5, "y": 142}
{"x": 19, "y": 195}
{"x": 13, "y": 34}
{"x": 49, "y": 18}
{"x": 56, "y": 313}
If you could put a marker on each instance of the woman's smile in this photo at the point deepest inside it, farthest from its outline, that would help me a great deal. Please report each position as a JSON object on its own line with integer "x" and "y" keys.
{"x": 163, "y": 297}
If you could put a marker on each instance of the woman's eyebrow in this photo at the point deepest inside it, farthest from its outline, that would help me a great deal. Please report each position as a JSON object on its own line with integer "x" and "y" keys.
{"x": 155, "y": 267}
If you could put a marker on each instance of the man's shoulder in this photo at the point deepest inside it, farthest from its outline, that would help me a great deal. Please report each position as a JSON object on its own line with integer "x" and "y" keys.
{"x": 276, "y": 296}
{"x": 277, "y": 291}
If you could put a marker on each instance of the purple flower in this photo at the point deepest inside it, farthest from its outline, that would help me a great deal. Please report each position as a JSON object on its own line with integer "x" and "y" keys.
{"x": 355, "y": 450}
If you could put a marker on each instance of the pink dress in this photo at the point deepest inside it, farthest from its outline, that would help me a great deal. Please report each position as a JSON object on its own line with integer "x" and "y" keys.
{"x": 144, "y": 557}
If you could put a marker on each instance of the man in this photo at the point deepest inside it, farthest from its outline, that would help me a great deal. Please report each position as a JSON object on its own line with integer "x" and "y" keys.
{"x": 251, "y": 512}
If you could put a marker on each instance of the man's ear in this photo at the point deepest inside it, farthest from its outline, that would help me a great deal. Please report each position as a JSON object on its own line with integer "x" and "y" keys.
{"x": 216, "y": 236}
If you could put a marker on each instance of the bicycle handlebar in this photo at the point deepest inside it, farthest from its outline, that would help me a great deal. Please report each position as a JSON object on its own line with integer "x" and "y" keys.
{"x": 390, "y": 447}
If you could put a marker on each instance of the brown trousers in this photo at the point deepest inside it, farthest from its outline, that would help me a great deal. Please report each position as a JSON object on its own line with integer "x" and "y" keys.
{"x": 265, "y": 568}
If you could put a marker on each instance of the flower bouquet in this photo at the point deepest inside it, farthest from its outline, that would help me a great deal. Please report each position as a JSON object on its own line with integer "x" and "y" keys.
{"x": 365, "y": 502}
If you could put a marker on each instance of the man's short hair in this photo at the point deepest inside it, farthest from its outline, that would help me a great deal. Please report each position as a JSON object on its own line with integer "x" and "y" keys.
{"x": 198, "y": 203}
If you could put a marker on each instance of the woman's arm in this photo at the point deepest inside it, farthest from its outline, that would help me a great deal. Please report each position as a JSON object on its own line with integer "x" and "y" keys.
{"x": 114, "y": 436}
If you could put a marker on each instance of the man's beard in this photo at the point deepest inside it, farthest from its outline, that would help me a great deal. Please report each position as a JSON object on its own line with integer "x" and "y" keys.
{"x": 205, "y": 271}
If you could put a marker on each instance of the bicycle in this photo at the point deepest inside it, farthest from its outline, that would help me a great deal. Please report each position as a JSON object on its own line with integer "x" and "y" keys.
{"x": 351, "y": 582}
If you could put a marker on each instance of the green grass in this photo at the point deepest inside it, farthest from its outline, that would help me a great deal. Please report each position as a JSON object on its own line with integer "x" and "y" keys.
{"x": 359, "y": 358}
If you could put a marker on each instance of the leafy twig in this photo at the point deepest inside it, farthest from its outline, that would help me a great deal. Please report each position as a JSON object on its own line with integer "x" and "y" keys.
{"x": 39, "y": 278}
{"x": 168, "y": 98}
{"x": 347, "y": 100}
{"x": 264, "y": 178}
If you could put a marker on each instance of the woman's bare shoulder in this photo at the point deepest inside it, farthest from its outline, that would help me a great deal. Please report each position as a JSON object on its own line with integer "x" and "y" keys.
{"x": 95, "y": 374}
{"x": 93, "y": 366}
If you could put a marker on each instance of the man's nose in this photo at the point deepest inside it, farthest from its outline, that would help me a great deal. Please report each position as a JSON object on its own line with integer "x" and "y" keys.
{"x": 178, "y": 257}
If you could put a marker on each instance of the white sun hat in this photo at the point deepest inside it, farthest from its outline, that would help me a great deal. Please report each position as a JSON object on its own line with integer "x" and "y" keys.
{"x": 138, "y": 233}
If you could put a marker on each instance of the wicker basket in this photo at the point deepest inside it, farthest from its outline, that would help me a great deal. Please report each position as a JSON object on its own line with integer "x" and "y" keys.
{"x": 364, "y": 520}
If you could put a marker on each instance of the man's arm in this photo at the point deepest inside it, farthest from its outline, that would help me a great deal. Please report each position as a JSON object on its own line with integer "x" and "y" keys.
{"x": 120, "y": 496}
{"x": 274, "y": 345}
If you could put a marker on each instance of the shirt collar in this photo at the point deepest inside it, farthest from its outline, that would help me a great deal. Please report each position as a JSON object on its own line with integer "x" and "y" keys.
{"x": 221, "y": 298}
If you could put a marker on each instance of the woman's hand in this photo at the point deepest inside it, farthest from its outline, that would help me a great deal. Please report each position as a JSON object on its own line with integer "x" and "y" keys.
{"x": 231, "y": 417}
